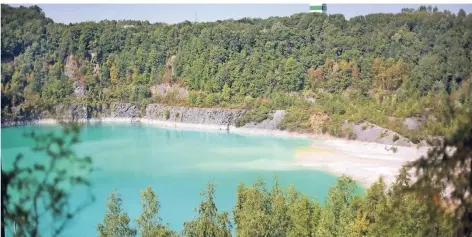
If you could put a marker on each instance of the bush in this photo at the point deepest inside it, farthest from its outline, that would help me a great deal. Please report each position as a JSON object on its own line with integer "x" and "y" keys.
{"x": 195, "y": 99}
{"x": 296, "y": 119}
{"x": 166, "y": 114}
{"x": 212, "y": 99}
{"x": 384, "y": 134}
{"x": 394, "y": 149}
{"x": 258, "y": 113}
{"x": 350, "y": 134}
{"x": 170, "y": 98}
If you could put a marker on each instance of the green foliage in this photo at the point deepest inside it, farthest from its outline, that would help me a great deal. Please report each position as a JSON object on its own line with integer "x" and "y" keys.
{"x": 393, "y": 212}
{"x": 57, "y": 91}
{"x": 394, "y": 149}
{"x": 251, "y": 210}
{"x": 382, "y": 211}
{"x": 44, "y": 185}
{"x": 258, "y": 112}
{"x": 116, "y": 221}
{"x": 212, "y": 99}
{"x": 226, "y": 93}
{"x": 339, "y": 209}
{"x": 149, "y": 223}
{"x": 195, "y": 99}
{"x": 208, "y": 223}
{"x": 447, "y": 164}
{"x": 292, "y": 76}
{"x": 166, "y": 114}
{"x": 296, "y": 119}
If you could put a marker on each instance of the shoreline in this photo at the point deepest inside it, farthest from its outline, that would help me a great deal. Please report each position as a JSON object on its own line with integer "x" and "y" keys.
{"x": 198, "y": 126}
{"x": 176, "y": 125}
{"x": 365, "y": 162}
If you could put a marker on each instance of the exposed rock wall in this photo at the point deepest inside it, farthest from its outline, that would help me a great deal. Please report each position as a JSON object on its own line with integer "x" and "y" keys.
{"x": 369, "y": 132}
{"x": 271, "y": 123}
{"x": 68, "y": 112}
{"x": 72, "y": 112}
{"x": 214, "y": 116}
{"x": 125, "y": 110}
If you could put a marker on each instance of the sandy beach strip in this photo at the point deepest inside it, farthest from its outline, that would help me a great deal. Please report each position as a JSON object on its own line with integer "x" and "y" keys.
{"x": 364, "y": 162}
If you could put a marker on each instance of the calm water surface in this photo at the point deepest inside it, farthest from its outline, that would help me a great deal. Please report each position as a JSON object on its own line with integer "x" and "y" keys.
{"x": 177, "y": 164}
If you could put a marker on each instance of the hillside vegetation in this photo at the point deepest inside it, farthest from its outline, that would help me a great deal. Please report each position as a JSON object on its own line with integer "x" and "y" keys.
{"x": 380, "y": 68}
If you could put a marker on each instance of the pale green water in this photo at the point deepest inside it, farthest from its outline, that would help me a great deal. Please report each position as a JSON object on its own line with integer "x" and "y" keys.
{"x": 177, "y": 164}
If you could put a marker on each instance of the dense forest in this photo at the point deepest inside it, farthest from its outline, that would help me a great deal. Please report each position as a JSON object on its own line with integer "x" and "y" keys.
{"x": 368, "y": 68}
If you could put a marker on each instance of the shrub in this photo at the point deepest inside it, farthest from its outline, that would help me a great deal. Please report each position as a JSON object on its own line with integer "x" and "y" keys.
{"x": 212, "y": 99}
{"x": 258, "y": 113}
{"x": 166, "y": 114}
{"x": 394, "y": 149}
{"x": 324, "y": 129}
{"x": 296, "y": 119}
{"x": 384, "y": 133}
{"x": 195, "y": 98}
{"x": 351, "y": 135}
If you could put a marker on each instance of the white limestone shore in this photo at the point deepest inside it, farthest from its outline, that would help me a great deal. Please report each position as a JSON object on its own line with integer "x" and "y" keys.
{"x": 363, "y": 161}
{"x": 186, "y": 126}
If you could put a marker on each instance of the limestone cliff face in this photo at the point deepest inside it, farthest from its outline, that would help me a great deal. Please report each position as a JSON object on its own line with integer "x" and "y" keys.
{"x": 213, "y": 116}
{"x": 124, "y": 110}
{"x": 72, "y": 112}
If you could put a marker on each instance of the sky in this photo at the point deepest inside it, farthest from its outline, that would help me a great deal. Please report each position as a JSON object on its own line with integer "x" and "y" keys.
{"x": 175, "y": 13}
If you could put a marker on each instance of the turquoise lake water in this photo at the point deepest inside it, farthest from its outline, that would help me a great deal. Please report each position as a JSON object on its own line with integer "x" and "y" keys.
{"x": 177, "y": 164}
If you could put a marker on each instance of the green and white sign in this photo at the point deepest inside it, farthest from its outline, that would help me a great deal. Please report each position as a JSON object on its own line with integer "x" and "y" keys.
{"x": 317, "y": 7}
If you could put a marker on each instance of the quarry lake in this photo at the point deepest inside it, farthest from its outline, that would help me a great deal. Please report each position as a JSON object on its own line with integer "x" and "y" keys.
{"x": 177, "y": 164}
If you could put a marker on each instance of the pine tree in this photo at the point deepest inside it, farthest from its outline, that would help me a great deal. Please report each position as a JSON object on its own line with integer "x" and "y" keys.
{"x": 149, "y": 222}
{"x": 116, "y": 221}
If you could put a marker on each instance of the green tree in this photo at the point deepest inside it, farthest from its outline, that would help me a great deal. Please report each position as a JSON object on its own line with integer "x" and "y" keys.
{"x": 292, "y": 76}
{"x": 447, "y": 164}
{"x": 226, "y": 93}
{"x": 300, "y": 210}
{"x": 250, "y": 211}
{"x": 426, "y": 73}
{"x": 338, "y": 211}
{"x": 116, "y": 221}
{"x": 279, "y": 221}
{"x": 208, "y": 223}
{"x": 149, "y": 223}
